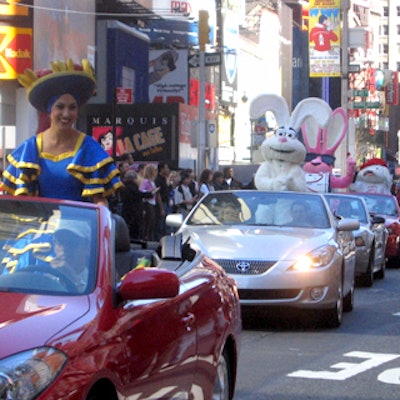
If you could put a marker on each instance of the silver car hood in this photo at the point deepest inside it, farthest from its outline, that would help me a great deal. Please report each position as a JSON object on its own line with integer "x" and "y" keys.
{"x": 256, "y": 242}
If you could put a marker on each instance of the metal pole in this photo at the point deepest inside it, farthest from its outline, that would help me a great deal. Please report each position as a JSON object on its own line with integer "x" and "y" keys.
{"x": 345, "y": 6}
{"x": 3, "y": 145}
{"x": 202, "y": 118}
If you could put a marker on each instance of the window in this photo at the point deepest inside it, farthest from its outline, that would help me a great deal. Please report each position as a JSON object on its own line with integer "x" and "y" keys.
{"x": 385, "y": 30}
{"x": 398, "y": 66}
{"x": 385, "y": 49}
{"x": 386, "y": 11}
{"x": 398, "y": 11}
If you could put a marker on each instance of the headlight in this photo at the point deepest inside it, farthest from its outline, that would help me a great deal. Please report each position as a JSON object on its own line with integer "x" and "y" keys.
{"x": 316, "y": 259}
{"x": 23, "y": 376}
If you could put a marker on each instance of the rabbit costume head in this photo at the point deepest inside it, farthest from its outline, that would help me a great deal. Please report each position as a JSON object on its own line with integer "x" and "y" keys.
{"x": 283, "y": 152}
{"x": 321, "y": 144}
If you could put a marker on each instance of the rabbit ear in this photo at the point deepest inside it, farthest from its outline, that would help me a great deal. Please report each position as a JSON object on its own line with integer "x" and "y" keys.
{"x": 270, "y": 102}
{"x": 311, "y": 132}
{"x": 310, "y": 107}
{"x": 335, "y": 131}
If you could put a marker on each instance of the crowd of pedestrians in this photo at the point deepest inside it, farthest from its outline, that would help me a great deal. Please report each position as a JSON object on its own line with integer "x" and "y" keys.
{"x": 152, "y": 191}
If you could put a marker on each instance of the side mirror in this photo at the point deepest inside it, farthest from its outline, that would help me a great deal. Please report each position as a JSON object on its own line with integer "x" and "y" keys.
{"x": 149, "y": 283}
{"x": 174, "y": 220}
{"x": 348, "y": 224}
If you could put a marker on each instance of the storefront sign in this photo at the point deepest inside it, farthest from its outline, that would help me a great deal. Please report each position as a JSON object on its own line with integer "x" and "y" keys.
{"x": 15, "y": 51}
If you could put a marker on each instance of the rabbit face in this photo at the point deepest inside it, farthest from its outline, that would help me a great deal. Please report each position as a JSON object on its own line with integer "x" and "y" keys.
{"x": 316, "y": 163}
{"x": 283, "y": 145}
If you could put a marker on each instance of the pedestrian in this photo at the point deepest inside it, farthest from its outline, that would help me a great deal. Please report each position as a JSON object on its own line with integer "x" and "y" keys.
{"x": 163, "y": 206}
{"x": 218, "y": 181}
{"x": 174, "y": 180}
{"x": 206, "y": 182}
{"x": 140, "y": 173}
{"x": 60, "y": 161}
{"x": 193, "y": 184}
{"x": 230, "y": 183}
{"x": 150, "y": 204}
{"x": 184, "y": 199}
{"x": 128, "y": 157}
{"x": 132, "y": 204}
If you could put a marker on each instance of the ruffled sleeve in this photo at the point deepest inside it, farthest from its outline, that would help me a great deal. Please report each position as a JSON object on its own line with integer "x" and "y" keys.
{"x": 97, "y": 171}
{"x": 21, "y": 175}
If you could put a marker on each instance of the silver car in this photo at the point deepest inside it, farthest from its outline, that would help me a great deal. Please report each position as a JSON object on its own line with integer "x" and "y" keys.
{"x": 282, "y": 248}
{"x": 370, "y": 239}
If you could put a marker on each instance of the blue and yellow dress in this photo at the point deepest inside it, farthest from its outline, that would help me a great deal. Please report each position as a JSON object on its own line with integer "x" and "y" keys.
{"x": 75, "y": 175}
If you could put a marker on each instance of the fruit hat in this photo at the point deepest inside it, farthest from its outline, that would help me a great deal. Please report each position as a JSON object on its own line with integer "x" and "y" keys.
{"x": 62, "y": 78}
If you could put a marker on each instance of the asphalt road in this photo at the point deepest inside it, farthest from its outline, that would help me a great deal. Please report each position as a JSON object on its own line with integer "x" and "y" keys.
{"x": 292, "y": 358}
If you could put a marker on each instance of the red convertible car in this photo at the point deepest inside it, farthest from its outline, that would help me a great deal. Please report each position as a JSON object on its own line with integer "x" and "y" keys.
{"x": 386, "y": 206}
{"x": 85, "y": 315}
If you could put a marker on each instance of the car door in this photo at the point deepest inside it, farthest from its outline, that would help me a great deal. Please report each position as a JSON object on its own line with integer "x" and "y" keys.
{"x": 380, "y": 234}
{"x": 160, "y": 337}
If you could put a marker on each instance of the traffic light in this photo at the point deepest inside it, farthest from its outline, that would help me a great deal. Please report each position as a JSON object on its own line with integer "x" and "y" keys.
{"x": 203, "y": 29}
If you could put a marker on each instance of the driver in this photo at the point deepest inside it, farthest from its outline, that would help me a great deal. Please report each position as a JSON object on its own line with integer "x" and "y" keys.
{"x": 71, "y": 249}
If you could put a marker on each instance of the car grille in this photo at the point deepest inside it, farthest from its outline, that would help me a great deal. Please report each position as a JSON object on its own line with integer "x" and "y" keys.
{"x": 268, "y": 294}
{"x": 245, "y": 267}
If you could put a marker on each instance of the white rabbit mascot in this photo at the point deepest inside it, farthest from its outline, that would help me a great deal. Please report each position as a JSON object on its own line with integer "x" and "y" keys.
{"x": 283, "y": 152}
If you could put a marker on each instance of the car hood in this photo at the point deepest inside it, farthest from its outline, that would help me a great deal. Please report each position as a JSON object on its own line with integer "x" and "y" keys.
{"x": 30, "y": 320}
{"x": 257, "y": 242}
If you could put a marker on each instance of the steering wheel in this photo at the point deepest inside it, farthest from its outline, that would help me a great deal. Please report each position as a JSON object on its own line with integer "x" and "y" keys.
{"x": 65, "y": 281}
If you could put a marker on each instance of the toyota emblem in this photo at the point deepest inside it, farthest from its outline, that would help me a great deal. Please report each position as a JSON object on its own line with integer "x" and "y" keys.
{"x": 243, "y": 266}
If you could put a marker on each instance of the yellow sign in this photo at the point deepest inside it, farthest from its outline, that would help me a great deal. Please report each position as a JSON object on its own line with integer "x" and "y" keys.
{"x": 15, "y": 51}
{"x": 13, "y": 9}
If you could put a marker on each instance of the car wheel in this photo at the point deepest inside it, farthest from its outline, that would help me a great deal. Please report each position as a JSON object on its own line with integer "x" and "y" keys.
{"x": 382, "y": 272}
{"x": 348, "y": 301}
{"x": 333, "y": 317}
{"x": 222, "y": 378}
{"x": 367, "y": 279}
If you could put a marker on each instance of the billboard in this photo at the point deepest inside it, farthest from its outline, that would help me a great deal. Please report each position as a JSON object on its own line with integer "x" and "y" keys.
{"x": 168, "y": 76}
{"x": 324, "y": 38}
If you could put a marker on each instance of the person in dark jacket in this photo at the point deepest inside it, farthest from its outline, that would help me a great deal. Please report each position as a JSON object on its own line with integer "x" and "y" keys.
{"x": 230, "y": 183}
{"x": 132, "y": 204}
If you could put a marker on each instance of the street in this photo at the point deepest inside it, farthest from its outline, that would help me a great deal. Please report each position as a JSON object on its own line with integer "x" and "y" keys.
{"x": 294, "y": 359}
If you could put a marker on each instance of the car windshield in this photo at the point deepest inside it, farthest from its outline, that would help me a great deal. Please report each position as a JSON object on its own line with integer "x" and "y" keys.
{"x": 261, "y": 208}
{"x": 347, "y": 207}
{"x": 47, "y": 248}
{"x": 385, "y": 205}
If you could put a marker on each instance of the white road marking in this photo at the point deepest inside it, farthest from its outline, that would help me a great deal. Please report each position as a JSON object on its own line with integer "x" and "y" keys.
{"x": 347, "y": 369}
{"x": 397, "y": 314}
{"x": 391, "y": 376}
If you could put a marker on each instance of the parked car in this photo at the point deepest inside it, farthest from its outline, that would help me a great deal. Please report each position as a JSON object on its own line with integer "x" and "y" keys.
{"x": 386, "y": 205}
{"x": 370, "y": 238}
{"x": 307, "y": 263}
{"x": 83, "y": 318}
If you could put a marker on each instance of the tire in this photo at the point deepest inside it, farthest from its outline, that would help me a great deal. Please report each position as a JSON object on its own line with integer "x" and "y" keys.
{"x": 333, "y": 317}
{"x": 367, "y": 279}
{"x": 382, "y": 272}
{"x": 222, "y": 386}
{"x": 348, "y": 301}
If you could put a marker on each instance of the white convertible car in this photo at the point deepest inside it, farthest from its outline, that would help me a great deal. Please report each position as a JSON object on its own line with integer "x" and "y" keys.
{"x": 282, "y": 248}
